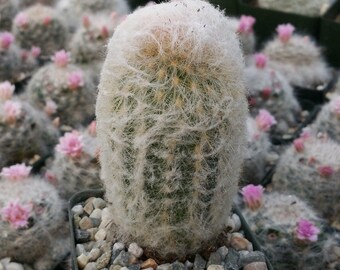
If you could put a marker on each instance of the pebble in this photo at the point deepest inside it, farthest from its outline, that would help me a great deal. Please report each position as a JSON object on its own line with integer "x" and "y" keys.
{"x": 115, "y": 267}
{"x": 199, "y": 262}
{"x": 89, "y": 245}
{"x": 223, "y": 251}
{"x": 82, "y": 261}
{"x": 215, "y": 267}
{"x": 80, "y": 249}
{"x": 115, "y": 253}
{"x": 77, "y": 209}
{"x": 166, "y": 266}
{"x": 188, "y": 265}
{"x": 98, "y": 203}
{"x": 92, "y": 232}
{"x": 106, "y": 218}
{"x": 231, "y": 260}
{"x": 134, "y": 267}
{"x": 135, "y": 250}
{"x": 103, "y": 260}
{"x": 149, "y": 263}
{"x": 230, "y": 225}
{"x": 2, "y": 266}
{"x": 14, "y": 266}
{"x": 95, "y": 222}
{"x": 237, "y": 222}
{"x": 97, "y": 213}
{"x": 239, "y": 242}
{"x": 82, "y": 236}
{"x": 118, "y": 246}
{"x": 124, "y": 268}
{"x": 76, "y": 220}
{"x": 150, "y": 268}
{"x": 85, "y": 223}
{"x": 256, "y": 266}
{"x": 215, "y": 259}
{"x": 122, "y": 259}
{"x": 178, "y": 266}
{"x": 94, "y": 254}
{"x": 255, "y": 256}
{"x": 133, "y": 259}
{"x": 100, "y": 235}
{"x": 91, "y": 266}
{"x": 88, "y": 208}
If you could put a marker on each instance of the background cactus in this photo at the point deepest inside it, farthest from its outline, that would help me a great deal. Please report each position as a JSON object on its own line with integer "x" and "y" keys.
{"x": 8, "y": 9}
{"x": 171, "y": 115}
{"x": 310, "y": 169}
{"x": 332, "y": 251}
{"x": 40, "y": 26}
{"x": 87, "y": 6}
{"x": 27, "y": 3}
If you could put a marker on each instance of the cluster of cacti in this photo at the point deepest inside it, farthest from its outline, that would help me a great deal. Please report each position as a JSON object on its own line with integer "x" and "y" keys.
{"x": 297, "y": 58}
{"x": 32, "y": 219}
{"x": 63, "y": 90}
{"x": 75, "y": 166}
{"x": 268, "y": 89}
{"x": 24, "y": 131}
{"x": 171, "y": 115}
{"x": 310, "y": 169}
{"x": 90, "y": 6}
{"x": 27, "y": 3}
{"x": 313, "y": 8}
{"x": 8, "y": 9}
{"x": 40, "y": 26}
{"x": 286, "y": 227}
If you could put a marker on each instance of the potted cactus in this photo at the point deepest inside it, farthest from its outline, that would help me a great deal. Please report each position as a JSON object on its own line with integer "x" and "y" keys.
{"x": 171, "y": 114}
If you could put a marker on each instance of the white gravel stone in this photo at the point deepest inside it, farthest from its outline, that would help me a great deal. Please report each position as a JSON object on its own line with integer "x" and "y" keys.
{"x": 82, "y": 261}
{"x": 237, "y": 222}
{"x": 118, "y": 246}
{"x": 91, "y": 266}
{"x": 230, "y": 224}
{"x": 124, "y": 268}
{"x": 99, "y": 203}
{"x": 97, "y": 213}
{"x": 215, "y": 267}
{"x": 135, "y": 250}
{"x": 14, "y": 266}
{"x": 80, "y": 249}
{"x": 106, "y": 218}
{"x": 149, "y": 268}
{"x": 100, "y": 235}
{"x": 94, "y": 254}
{"x": 1, "y": 266}
{"x": 78, "y": 209}
{"x": 88, "y": 208}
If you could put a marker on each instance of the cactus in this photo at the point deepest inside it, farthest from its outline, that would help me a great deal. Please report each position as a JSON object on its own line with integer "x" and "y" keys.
{"x": 312, "y": 8}
{"x": 310, "y": 169}
{"x": 67, "y": 87}
{"x": 75, "y": 166}
{"x": 8, "y": 9}
{"x": 27, "y": 3}
{"x": 268, "y": 89}
{"x": 332, "y": 251}
{"x": 32, "y": 220}
{"x": 24, "y": 132}
{"x": 297, "y": 58}
{"x": 87, "y": 6}
{"x": 171, "y": 113}
{"x": 40, "y": 26}
{"x": 287, "y": 229}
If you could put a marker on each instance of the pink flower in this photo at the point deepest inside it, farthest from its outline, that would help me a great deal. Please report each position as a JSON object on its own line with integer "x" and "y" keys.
{"x": 16, "y": 172}
{"x": 6, "y": 90}
{"x": 86, "y": 21}
{"x": 92, "y": 128}
{"x": 12, "y": 111}
{"x": 51, "y": 178}
{"x": 326, "y": 171}
{"x": 285, "y": 32}
{"x": 21, "y": 20}
{"x": 35, "y": 51}
{"x": 264, "y": 120}
{"x": 246, "y": 24}
{"x": 252, "y": 196}
{"x": 306, "y": 230}
{"x": 266, "y": 92}
{"x": 299, "y": 144}
{"x": 6, "y": 39}
{"x": 71, "y": 144}
{"x": 46, "y": 20}
{"x": 306, "y": 134}
{"x": 104, "y": 32}
{"x": 75, "y": 80}
{"x": 16, "y": 214}
{"x": 50, "y": 107}
{"x": 260, "y": 60}
{"x": 61, "y": 58}
{"x": 335, "y": 106}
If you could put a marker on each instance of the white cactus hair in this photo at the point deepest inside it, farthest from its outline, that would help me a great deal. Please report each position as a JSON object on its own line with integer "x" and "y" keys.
{"x": 171, "y": 115}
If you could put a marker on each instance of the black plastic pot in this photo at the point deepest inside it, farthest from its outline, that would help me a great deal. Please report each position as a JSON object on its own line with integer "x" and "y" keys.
{"x": 267, "y": 20}
{"x": 84, "y": 195}
{"x": 330, "y": 34}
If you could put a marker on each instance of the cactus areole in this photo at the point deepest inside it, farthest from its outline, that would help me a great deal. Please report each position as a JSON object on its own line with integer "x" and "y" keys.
{"x": 171, "y": 113}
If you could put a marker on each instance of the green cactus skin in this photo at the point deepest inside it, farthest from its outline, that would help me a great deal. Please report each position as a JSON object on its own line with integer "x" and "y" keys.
{"x": 171, "y": 114}
{"x": 8, "y": 9}
{"x": 32, "y": 134}
{"x": 36, "y": 244}
{"x": 274, "y": 225}
{"x": 298, "y": 173}
{"x": 49, "y": 37}
{"x": 299, "y": 60}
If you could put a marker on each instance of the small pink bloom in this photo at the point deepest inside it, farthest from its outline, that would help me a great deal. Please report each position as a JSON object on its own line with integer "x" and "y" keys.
{"x": 46, "y": 20}
{"x": 113, "y": 15}
{"x": 12, "y": 111}
{"x": 51, "y": 178}
{"x": 264, "y": 120}
{"x": 61, "y": 58}
{"x": 16, "y": 172}
{"x": 35, "y": 51}
{"x": 6, "y": 39}
{"x": 92, "y": 128}
{"x": 299, "y": 144}
{"x": 285, "y": 32}
{"x": 306, "y": 134}
{"x": 260, "y": 60}
{"x": 21, "y": 20}
{"x": 266, "y": 92}
{"x": 16, "y": 214}
{"x": 246, "y": 24}
{"x": 326, "y": 171}
{"x": 71, "y": 144}
{"x": 86, "y": 21}
{"x": 75, "y": 80}
{"x": 306, "y": 230}
{"x": 251, "y": 101}
{"x": 104, "y": 32}
{"x": 252, "y": 196}
{"x": 24, "y": 55}
{"x": 50, "y": 107}
{"x": 335, "y": 106}
{"x": 6, "y": 90}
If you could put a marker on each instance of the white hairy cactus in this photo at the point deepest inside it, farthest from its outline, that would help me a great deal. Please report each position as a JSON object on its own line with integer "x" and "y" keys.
{"x": 8, "y": 9}
{"x": 171, "y": 115}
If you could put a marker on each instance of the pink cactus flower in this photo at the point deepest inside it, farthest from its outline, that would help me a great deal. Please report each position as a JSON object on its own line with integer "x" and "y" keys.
{"x": 16, "y": 214}
{"x": 47, "y": 20}
{"x": 307, "y": 231}
{"x": 61, "y": 58}
{"x": 104, "y": 32}
{"x": 299, "y": 144}
{"x": 12, "y": 111}
{"x": 335, "y": 106}
{"x": 75, "y": 80}
{"x": 86, "y": 21}
{"x": 6, "y": 39}
{"x": 16, "y": 172}
{"x": 265, "y": 120}
{"x": 50, "y": 107}
{"x": 6, "y": 90}
{"x": 252, "y": 101}
{"x": 266, "y": 92}
{"x": 252, "y": 196}
{"x": 51, "y": 178}
{"x": 71, "y": 144}
{"x": 246, "y": 24}
{"x": 260, "y": 60}
{"x": 35, "y": 51}
{"x": 285, "y": 32}
{"x": 92, "y": 128}
{"x": 326, "y": 171}
{"x": 21, "y": 20}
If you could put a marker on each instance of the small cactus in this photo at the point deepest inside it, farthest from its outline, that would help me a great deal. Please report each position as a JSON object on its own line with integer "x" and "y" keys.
{"x": 332, "y": 251}
{"x": 8, "y": 9}
{"x": 27, "y": 3}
